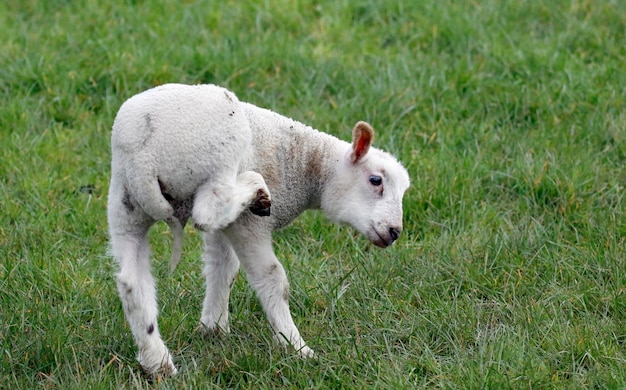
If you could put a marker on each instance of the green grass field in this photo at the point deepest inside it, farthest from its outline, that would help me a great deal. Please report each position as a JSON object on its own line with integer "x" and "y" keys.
{"x": 509, "y": 115}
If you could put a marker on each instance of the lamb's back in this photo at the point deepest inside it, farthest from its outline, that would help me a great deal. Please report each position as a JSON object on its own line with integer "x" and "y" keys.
{"x": 183, "y": 134}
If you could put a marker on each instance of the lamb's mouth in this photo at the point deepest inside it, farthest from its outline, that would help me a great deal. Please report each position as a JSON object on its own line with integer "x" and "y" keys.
{"x": 380, "y": 241}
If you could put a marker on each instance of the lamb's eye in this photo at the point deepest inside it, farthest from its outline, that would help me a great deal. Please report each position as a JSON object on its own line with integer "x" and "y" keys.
{"x": 376, "y": 180}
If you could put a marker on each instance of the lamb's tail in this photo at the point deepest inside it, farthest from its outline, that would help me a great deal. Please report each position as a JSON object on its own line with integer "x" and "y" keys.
{"x": 146, "y": 189}
{"x": 177, "y": 245}
{"x": 148, "y": 192}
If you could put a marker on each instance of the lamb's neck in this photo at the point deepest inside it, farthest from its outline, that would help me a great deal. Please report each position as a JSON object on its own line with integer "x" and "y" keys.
{"x": 295, "y": 160}
{"x": 312, "y": 158}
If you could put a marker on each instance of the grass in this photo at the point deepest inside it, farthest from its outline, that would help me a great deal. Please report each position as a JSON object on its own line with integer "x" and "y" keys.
{"x": 511, "y": 272}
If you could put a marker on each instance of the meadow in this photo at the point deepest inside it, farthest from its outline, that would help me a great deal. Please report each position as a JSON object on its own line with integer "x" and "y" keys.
{"x": 509, "y": 115}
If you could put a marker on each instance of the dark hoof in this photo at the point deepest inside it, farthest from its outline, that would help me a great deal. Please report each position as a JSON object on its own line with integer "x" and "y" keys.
{"x": 261, "y": 204}
{"x": 260, "y": 212}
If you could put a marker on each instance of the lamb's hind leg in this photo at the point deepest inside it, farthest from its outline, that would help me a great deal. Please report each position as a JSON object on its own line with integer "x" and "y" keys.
{"x": 130, "y": 248}
{"x": 221, "y": 265}
{"x": 218, "y": 203}
{"x": 137, "y": 292}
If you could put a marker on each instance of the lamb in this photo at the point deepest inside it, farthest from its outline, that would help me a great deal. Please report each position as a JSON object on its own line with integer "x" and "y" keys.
{"x": 181, "y": 152}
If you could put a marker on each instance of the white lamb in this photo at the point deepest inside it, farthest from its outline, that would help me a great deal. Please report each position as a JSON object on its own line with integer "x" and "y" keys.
{"x": 181, "y": 152}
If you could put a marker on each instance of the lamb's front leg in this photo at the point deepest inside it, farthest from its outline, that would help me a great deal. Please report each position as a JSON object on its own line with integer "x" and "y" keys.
{"x": 219, "y": 202}
{"x": 269, "y": 280}
{"x": 221, "y": 265}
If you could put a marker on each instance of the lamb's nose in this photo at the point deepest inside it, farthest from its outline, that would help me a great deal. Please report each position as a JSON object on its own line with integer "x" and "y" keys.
{"x": 394, "y": 233}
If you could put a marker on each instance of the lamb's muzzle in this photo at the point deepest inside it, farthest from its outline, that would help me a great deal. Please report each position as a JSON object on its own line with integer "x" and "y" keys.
{"x": 385, "y": 240}
{"x": 394, "y": 233}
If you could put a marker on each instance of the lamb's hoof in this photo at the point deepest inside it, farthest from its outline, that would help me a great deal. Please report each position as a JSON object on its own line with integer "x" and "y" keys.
{"x": 157, "y": 367}
{"x": 213, "y": 331}
{"x": 261, "y": 204}
{"x": 306, "y": 352}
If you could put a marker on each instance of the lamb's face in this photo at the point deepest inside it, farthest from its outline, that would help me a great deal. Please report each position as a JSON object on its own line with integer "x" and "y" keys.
{"x": 368, "y": 196}
{"x": 366, "y": 190}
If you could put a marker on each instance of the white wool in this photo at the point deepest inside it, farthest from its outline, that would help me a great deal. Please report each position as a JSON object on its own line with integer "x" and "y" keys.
{"x": 181, "y": 152}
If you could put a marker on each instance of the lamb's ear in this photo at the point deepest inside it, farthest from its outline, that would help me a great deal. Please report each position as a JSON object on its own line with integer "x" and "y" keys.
{"x": 362, "y": 138}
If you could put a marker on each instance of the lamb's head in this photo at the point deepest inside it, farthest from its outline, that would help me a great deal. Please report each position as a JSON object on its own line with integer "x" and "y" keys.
{"x": 366, "y": 189}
